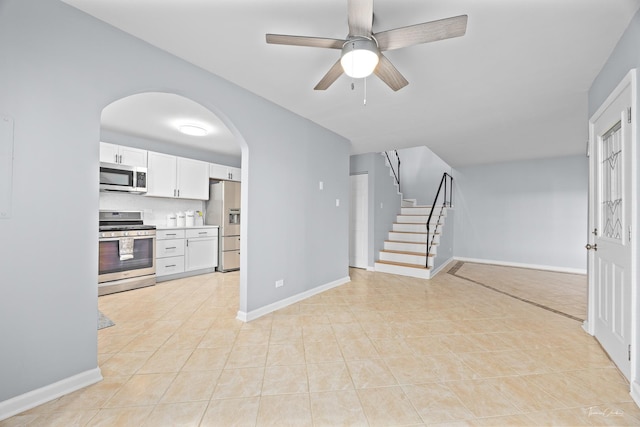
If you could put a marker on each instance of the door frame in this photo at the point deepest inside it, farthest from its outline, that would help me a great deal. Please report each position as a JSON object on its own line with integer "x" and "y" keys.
{"x": 589, "y": 325}
{"x": 365, "y": 176}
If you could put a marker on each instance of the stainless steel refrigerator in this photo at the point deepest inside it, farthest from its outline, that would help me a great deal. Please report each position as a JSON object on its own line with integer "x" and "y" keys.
{"x": 223, "y": 209}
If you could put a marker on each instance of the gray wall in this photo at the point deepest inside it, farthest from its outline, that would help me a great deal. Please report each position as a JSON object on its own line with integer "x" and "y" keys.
{"x": 420, "y": 173}
{"x": 59, "y": 68}
{"x": 529, "y": 212}
{"x": 447, "y": 238}
{"x": 624, "y": 57}
{"x": 384, "y": 199}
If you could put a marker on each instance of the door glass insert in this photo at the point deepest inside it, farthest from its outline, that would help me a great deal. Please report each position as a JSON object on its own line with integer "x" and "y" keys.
{"x": 611, "y": 185}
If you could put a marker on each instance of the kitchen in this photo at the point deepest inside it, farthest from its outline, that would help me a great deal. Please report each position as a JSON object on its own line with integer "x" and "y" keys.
{"x": 165, "y": 216}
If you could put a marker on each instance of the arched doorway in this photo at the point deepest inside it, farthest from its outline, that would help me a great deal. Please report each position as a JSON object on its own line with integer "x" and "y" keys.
{"x": 149, "y": 128}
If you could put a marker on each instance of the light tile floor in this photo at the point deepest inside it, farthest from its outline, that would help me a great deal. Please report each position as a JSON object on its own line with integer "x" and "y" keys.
{"x": 566, "y": 293}
{"x": 380, "y": 350}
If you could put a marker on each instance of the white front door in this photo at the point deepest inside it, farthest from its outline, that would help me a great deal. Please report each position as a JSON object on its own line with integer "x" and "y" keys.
{"x": 611, "y": 258}
{"x": 359, "y": 221}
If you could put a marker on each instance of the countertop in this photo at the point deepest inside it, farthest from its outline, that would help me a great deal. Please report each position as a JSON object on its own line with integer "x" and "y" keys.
{"x": 164, "y": 227}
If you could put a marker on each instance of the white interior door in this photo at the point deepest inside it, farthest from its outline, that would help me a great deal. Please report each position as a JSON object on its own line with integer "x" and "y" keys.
{"x": 359, "y": 221}
{"x": 611, "y": 197}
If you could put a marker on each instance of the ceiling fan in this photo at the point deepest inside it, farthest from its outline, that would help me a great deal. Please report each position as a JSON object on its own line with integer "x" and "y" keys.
{"x": 362, "y": 49}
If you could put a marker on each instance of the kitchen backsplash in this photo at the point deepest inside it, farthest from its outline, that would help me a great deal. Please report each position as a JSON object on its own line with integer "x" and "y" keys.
{"x": 155, "y": 209}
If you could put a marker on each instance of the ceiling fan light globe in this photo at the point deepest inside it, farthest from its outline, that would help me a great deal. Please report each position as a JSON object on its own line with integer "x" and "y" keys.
{"x": 359, "y": 58}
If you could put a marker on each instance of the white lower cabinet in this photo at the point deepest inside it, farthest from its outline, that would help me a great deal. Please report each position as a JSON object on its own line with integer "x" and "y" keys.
{"x": 169, "y": 252}
{"x": 180, "y": 251}
{"x": 201, "y": 250}
{"x": 169, "y": 265}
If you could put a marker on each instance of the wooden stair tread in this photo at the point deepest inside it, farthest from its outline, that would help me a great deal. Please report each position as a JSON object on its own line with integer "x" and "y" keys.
{"x": 404, "y": 264}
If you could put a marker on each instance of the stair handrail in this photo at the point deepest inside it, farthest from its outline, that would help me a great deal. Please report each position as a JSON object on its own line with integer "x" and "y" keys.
{"x": 397, "y": 177}
{"x": 443, "y": 182}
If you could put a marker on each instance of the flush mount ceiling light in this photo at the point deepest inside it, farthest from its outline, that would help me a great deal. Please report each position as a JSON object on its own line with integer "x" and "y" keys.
{"x": 193, "y": 130}
{"x": 360, "y": 57}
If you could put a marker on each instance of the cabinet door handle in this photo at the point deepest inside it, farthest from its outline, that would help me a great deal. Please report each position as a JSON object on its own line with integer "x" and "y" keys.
{"x": 120, "y": 158}
{"x": 170, "y": 234}
{"x": 172, "y": 265}
{"x": 116, "y": 161}
{"x": 178, "y": 192}
{"x": 203, "y": 232}
{"x": 172, "y": 247}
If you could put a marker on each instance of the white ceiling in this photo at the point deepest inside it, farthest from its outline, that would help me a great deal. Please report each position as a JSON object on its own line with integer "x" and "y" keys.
{"x": 514, "y": 87}
{"x": 158, "y": 116}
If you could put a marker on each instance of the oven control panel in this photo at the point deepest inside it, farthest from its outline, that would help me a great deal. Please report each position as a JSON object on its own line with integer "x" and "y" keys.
{"x": 129, "y": 233}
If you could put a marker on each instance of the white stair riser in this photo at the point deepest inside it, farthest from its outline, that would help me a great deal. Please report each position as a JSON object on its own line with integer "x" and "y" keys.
{"x": 409, "y": 237}
{"x": 420, "y": 248}
{"x": 418, "y": 219}
{"x": 403, "y": 271}
{"x": 407, "y": 247}
{"x": 403, "y": 258}
{"x": 414, "y": 228}
{"x": 421, "y": 210}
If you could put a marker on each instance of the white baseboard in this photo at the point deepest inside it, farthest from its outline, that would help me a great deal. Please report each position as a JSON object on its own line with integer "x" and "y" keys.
{"x": 371, "y": 268}
{"x": 254, "y": 314}
{"x": 33, "y": 398}
{"x": 587, "y": 328}
{"x": 442, "y": 267}
{"x": 635, "y": 392}
{"x": 522, "y": 265}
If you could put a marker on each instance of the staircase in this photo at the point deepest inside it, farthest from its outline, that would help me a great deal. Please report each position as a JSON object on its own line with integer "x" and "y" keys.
{"x": 405, "y": 250}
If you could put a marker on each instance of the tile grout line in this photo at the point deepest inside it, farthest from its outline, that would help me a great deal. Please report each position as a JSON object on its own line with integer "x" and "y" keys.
{"x": 454, "y": 270}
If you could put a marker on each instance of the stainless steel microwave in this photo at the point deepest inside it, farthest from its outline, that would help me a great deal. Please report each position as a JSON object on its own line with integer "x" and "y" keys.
{"x": 128, "y": 179}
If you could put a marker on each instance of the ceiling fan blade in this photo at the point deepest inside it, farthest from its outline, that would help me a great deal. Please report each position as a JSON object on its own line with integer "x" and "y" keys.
{"x": 331, "y": 76}
{"x": 422, "y": 33}
{"x": 388, "y": 74}
{"x": 305, "y": 41}
{"x": 360, "y": 17}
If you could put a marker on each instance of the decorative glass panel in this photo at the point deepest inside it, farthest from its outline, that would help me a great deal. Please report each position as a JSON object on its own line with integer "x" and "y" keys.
{"x": 611, "y": 186}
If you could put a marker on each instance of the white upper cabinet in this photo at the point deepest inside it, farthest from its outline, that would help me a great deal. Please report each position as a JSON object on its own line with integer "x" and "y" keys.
{"x": 109, "y": 153}
{"x": 223, "y": 172}
{"x": 161, "y": 175}
{"x": 120, "y": 154}
{"x": 234, "y": 174}
{"x": 193, "y": 179}
{"x": 218, "y": 171}
{"x": 171, "y": 176}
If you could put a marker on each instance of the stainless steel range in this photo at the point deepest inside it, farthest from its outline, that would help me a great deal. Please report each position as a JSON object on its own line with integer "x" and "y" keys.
{"x": 127, "y": 252}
